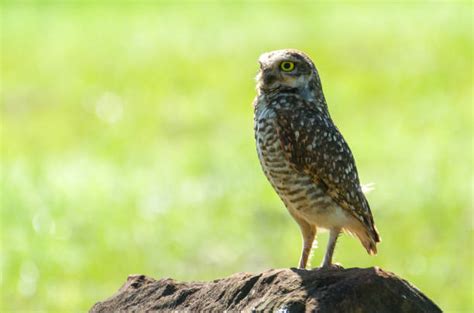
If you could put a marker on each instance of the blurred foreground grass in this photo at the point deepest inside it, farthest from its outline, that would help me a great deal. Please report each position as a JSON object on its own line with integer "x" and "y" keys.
{"x": 127, "y": 143}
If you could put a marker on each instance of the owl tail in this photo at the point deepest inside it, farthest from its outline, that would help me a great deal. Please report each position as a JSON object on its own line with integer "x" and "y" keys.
{"x": 369, "y": 239}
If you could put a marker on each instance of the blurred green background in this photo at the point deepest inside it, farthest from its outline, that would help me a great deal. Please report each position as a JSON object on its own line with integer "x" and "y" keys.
{"x": 127, "y": 142}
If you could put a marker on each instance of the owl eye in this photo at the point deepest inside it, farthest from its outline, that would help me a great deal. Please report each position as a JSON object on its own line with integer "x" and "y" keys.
{"x": 287, "y": 66}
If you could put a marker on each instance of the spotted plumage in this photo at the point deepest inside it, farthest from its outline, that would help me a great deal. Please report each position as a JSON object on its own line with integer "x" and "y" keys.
{"x": 305, "y": 157}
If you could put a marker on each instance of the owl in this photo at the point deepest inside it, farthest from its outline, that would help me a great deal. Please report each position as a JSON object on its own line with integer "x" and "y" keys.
{"x": 305, "y": 157}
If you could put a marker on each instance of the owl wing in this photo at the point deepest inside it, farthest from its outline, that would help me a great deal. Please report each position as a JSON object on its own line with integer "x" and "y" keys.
{"x": 313, "y": 145}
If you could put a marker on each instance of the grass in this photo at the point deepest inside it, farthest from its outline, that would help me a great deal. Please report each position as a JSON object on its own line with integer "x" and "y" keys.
{"x": 127, "y": 143}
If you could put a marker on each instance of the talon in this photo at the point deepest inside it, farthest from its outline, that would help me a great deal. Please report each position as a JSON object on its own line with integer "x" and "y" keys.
{"x": 334, "y": 266}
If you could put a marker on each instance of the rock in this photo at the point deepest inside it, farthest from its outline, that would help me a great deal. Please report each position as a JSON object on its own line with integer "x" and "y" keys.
{"x": 284, "y": 290}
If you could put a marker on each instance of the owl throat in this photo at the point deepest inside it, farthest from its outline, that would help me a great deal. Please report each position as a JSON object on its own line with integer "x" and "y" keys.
{"x": 309, "y": 89}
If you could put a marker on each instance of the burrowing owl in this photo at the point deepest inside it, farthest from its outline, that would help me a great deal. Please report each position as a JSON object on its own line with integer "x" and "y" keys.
{"x": 305, "y": 157}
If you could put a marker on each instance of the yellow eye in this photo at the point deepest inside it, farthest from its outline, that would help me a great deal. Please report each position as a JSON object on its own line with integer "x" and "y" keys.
{"x": 287, "y": 66}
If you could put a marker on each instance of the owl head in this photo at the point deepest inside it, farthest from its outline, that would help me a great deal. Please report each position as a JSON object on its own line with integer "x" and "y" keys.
{"x": 287, "y": 69}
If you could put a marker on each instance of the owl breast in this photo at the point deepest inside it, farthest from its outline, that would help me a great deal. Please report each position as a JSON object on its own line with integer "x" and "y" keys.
{"x": 300, "y": 194}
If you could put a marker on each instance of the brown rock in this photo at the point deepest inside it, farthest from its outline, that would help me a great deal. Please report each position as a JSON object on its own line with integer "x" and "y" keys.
{"x": 284, "y": 290}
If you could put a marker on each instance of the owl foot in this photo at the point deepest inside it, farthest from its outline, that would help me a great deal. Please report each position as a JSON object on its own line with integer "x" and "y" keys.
{"x": 330, "y": 267}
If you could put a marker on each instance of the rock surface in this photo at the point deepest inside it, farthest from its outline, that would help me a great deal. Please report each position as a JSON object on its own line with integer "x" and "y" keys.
{"x": 284, "y": 290}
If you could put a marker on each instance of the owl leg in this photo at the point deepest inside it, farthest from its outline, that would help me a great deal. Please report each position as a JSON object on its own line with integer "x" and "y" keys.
{"x": 333, "y": 234}
{"x": 308, "y": 232}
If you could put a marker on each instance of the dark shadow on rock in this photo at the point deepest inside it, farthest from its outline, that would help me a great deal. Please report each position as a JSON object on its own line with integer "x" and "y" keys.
{"x": 361, "y": 290}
